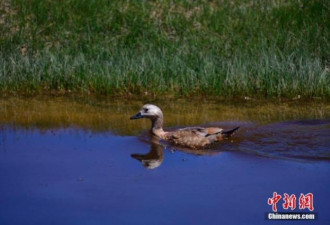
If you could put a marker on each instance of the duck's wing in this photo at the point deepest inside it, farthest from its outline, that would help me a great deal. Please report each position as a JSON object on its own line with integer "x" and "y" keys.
{"x": 198, "y": 137}
{"x": 203, "y": 131}
{"x": 190, "y": 138}
{"x": 191, "y": 131}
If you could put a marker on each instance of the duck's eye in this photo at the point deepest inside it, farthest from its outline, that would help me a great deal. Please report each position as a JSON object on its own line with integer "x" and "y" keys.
{"x": 146, "y": 110}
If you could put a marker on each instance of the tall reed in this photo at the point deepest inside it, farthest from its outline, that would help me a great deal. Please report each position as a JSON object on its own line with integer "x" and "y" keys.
{"x": 276, "y": 48}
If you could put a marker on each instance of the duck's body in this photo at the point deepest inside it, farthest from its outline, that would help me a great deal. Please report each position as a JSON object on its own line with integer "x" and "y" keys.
{"x": 191, "y": 137}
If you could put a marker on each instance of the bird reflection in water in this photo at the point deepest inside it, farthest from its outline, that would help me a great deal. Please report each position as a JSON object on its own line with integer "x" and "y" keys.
{"x": 154, "y": 157}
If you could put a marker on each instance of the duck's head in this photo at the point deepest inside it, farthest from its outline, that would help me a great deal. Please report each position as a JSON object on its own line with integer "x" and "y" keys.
{"x": 148, "y": 111}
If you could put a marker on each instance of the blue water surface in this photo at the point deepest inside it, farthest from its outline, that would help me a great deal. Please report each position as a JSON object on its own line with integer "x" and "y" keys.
{"x": 74, "y": 176}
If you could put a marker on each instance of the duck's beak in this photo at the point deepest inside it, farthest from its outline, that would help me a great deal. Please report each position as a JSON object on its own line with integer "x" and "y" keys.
{"x": 136, "y": 116}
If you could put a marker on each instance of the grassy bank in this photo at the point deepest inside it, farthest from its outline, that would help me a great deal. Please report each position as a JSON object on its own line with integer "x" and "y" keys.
{"x": 276, "y": 48}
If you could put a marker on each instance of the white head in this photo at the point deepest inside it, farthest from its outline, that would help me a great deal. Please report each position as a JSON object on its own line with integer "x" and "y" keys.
{"x": 148, "y": 111}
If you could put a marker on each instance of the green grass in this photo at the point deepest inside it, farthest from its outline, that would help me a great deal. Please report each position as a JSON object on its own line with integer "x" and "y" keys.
{"x": 275, "y": 48}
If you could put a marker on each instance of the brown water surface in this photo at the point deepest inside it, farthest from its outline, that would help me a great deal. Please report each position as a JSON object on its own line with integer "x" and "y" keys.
{"x": 112, "y": 115}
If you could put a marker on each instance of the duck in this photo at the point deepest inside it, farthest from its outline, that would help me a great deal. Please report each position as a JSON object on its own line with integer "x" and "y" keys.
{"x": 189, "y": 137}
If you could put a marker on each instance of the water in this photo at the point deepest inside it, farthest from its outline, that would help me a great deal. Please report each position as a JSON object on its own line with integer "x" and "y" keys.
{"x": 82, "y": 161}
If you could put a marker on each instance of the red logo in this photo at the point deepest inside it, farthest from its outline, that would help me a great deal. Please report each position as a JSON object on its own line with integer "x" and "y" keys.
{"x": 305, "y": 201}
{"x": 274, "y": 200}
{"x": 289, "y": 201}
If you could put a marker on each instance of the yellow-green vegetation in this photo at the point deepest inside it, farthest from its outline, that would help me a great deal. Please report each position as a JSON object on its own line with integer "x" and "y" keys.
{"x": 275, "y": 48}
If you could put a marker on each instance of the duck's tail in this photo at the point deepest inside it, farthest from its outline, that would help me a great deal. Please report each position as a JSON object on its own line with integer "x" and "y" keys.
{"x": 229, "y": 133}
{"x": 221, "y": 135}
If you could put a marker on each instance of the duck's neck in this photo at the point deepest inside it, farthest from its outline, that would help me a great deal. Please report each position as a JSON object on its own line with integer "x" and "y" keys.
{"x": 157, "y": 126}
